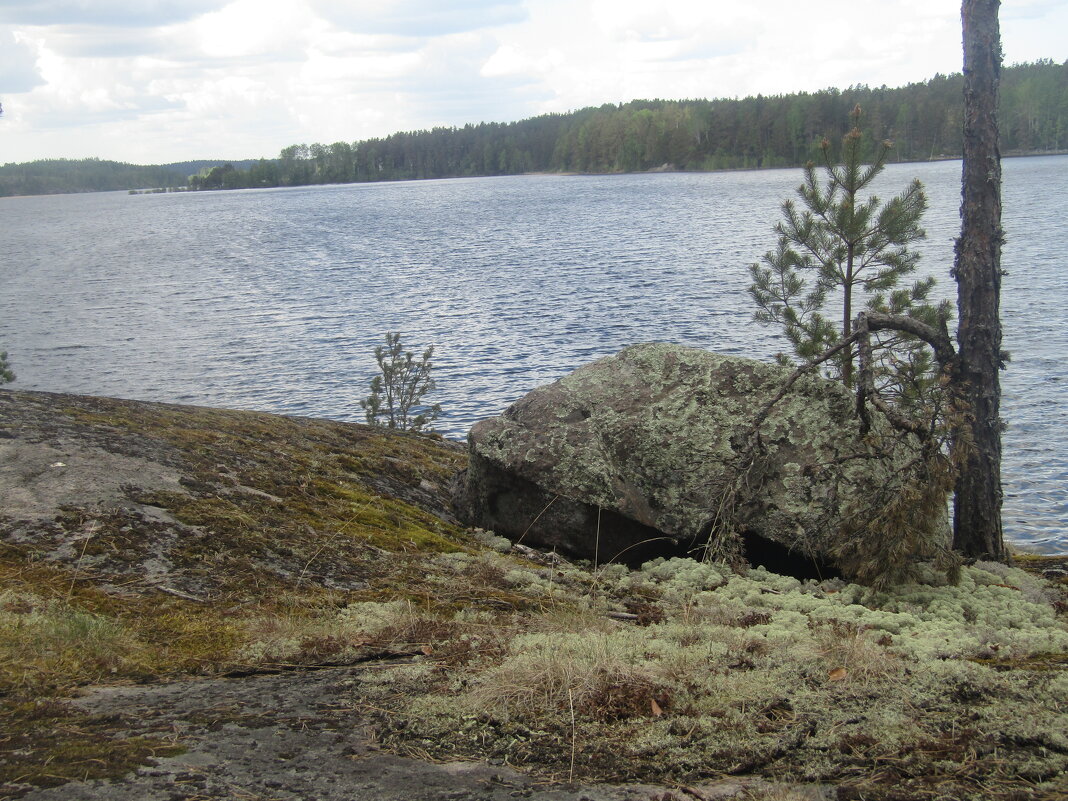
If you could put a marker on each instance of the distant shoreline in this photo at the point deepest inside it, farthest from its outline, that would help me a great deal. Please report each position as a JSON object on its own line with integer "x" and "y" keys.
{"x": 663, "y": 169}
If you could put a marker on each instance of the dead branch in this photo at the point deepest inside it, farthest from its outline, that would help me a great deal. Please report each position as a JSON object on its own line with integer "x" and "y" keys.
{"x": 866, "y": 391}
{"x": 944, "y": 352}
{"x": 179, "y": 594}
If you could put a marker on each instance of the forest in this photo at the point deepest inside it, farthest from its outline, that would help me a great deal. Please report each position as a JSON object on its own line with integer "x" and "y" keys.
{"x": 923, "y": 120}
{"x": 55, "y": 176}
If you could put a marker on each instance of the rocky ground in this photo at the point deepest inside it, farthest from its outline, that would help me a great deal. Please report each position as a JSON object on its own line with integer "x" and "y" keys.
{"x": 199, "y": 604}
{"x": 295, "y": 736}
{"x": 174, "y": 515}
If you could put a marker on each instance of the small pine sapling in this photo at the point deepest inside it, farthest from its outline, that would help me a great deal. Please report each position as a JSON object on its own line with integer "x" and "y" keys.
{"x": 839, "y": 250}
{"x": 841, "y": 246}
{"x": 6, "y": 375}
{"x": 396, "y": 393}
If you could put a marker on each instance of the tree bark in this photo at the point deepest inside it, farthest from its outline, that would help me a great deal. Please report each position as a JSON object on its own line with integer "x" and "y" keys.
{"x": 977, "y": 530}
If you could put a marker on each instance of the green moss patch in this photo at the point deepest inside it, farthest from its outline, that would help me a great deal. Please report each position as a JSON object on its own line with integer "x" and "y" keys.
{"x": 44, "y": 743}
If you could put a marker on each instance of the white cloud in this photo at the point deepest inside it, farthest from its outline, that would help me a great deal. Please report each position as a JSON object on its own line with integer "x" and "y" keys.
{"x": 625, "y": 49}
{"x": 88, "y": 92}
{"x": 674, "y": 21}
{"x": 1034, "y": 29}
{"x": 1012, "y": 10}
{"x": 419, "y": 18}
{"x": 18, "y": 63}
{"x": 508, "y": 60}
{"x": 246, "y": 28}
{"x": 164, "y": 80}
{"x": 97, "y": 41}
{"x": 117, "y": 13}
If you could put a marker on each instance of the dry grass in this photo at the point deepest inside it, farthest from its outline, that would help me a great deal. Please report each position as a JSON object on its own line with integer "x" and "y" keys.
{"x": 591, "y": 674}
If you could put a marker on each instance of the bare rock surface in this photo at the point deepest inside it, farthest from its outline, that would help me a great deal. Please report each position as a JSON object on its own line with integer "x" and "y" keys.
{"x": 152, "y": 496}
{"x": 36, "y": 478}
{"x": 298, "y": 735}
{"x": 647, "y": 452}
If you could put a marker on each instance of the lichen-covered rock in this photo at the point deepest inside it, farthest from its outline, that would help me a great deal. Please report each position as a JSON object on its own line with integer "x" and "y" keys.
{"x": 647, "y": 452}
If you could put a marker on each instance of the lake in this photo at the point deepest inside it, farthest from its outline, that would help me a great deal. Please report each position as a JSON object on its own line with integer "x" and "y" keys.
{"x": 275, "y": 299}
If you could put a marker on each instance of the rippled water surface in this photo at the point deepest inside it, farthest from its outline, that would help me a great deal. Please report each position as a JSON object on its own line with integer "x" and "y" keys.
{"x": 275, "y": 299}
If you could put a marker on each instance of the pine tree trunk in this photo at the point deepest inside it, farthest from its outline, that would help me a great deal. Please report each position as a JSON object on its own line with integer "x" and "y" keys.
{"x": 977, "y": 528}
{"x": 847, "y": 317}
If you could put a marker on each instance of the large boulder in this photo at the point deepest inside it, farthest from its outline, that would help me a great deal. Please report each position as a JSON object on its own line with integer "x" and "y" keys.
{"x": 653, "y": 451}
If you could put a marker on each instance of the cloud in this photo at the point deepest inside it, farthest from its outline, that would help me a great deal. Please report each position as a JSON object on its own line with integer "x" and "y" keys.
{"x": 18, "y": 64}
{"x": 1029, "y": 9}
{"x": 439, "y": 82}
{"x": 509, "y": 60}
{"x": 85, "y": 92}
{"x": 97, "y": 41}
{"x": 118, "y": 13}
{"x": 90, "y": 108}
{"x": 245, "y": 29}
{"x": 419, "y": 18}
{"x": 164, "y": 80}
{"x": 671, "y": 25}
{"x": 1034, "y": 29}
{"x": 452, "y": 86}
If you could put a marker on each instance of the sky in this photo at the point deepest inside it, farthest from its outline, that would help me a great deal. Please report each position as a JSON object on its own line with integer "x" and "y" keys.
{"x": 158, "y": 81}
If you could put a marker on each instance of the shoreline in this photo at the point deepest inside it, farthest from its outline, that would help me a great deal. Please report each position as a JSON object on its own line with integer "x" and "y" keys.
{"x": 663, "y": 169}
{"x": 1016, "y": 547}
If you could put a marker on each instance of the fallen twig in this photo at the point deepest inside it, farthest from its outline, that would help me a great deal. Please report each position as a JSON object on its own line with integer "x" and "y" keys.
{"x": 179, "y": 594}
{"x": 550, "y": 559}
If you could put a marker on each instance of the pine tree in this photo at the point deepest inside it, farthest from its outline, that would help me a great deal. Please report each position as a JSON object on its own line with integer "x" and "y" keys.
{"x": 970, "y": 376}
{"x": 977, "y": 526}
{"x": 840, "y": 246}
{"x": 398, "y": 389}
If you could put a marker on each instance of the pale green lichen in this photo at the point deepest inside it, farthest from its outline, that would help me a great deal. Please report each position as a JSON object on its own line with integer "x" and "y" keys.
{"x": 743, "y": 670}
{"x": 993, "y": 609}
{"x": 490, "y": 540}
{"x": 371, "y": 618}
{"x": 665, "y": 435}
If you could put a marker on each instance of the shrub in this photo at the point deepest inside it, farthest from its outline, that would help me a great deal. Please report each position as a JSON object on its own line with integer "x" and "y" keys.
{"x": 5, "y": 369}
{"x": 396, "y": 393}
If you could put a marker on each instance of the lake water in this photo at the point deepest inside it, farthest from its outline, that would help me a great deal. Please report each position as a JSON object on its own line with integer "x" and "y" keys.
{"x": 275, "y": 299}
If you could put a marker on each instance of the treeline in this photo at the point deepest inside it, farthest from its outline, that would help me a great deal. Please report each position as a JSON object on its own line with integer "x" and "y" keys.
{"x": 52, "y": 176}
{"x": 922, "y": 119}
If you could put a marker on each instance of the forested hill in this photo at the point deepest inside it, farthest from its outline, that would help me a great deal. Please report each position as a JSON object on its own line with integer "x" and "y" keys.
{"x": 49, "y": 176}
{"x": 924, "y": 121}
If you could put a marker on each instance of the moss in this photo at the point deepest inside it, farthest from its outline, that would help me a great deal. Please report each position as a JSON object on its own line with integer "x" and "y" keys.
{"x": 404, "y": 456}
{"x": 45, "y": 743}
{"x": 274, "y": 498}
